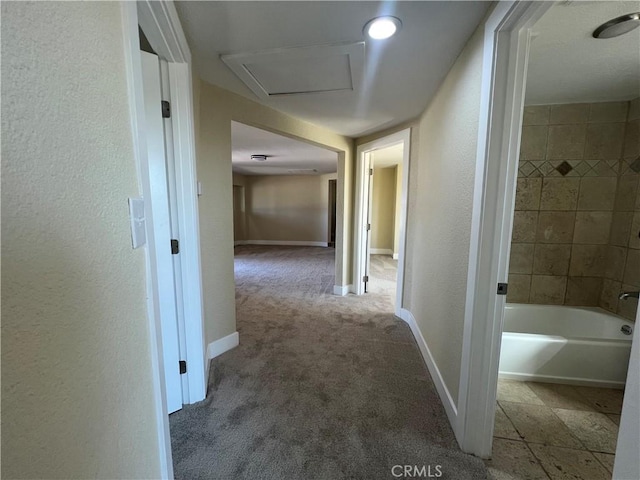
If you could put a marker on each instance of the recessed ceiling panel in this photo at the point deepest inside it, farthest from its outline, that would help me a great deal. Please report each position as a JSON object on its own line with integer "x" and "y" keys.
{"x": 296, "y": 71}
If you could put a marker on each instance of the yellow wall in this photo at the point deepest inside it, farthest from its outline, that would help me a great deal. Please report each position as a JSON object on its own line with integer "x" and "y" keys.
{"x": 288, "y": 207}
{"x": 77, "y": 392}
{"x": 383, "y": 208}
{"x": 218, "y": 108}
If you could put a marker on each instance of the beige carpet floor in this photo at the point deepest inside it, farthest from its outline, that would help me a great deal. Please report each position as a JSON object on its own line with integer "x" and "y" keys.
{"x": 321, "y": 386}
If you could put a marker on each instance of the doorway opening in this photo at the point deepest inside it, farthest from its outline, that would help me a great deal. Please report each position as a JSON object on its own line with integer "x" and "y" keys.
{"x": 380, "y": 221}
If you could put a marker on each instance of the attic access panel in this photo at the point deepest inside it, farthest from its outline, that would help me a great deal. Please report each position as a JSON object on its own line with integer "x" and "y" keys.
{"x": 299, "y": 71}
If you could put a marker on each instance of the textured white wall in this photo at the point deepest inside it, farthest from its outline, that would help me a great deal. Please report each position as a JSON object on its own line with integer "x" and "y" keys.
{"x": 76, "y": 372}
{"x": 218, "y": 108}
{"x": 439, "y": 217}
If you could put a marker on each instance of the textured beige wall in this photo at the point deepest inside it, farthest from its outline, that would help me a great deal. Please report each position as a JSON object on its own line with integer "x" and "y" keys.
{"x": 239, "y": 214}
{"x": 218, "y": 108}
{"x": 383, "y": 208}
{"x": 439, "y": 214}
{"x": 572, "y": 240}
{"x": 77, "y": 393}
{"x": 288, "y": 207}
{"x": 398, "y": 213}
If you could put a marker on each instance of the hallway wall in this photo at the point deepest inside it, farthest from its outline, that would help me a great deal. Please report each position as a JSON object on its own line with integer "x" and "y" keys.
{"x": 218, "y": 107}
{"x": 77, "y": 391}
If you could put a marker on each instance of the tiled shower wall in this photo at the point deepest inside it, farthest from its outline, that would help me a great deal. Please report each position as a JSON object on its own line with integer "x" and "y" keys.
{"x": 577, "y": 220}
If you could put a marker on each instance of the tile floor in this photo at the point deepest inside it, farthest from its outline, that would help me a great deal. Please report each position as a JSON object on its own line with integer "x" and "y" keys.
{"x": 550, "y": 431}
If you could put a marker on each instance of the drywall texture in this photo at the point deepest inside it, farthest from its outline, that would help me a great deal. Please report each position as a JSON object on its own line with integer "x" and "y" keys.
{"x": 292, "y": 208}
{"x": 439, "y": 213}
{"x": 572, "y": 239}
{"x": 218, "y": 108}
{"x": 239, "y": 214}
{"x": 77, "y": 397}
{"x": 383, "y": 209}
{"x": 398, "y": 212}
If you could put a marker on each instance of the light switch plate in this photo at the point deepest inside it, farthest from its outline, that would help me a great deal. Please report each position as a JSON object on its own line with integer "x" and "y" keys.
{"x": 138, "y": 226}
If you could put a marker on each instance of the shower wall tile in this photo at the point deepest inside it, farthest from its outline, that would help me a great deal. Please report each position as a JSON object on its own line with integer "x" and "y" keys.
{"x": 524, "y": 226}
{"x": 592, "y": 227}
{"x": 569, "y": 113}
{"x": 577, "y": 220}
{"x": 559, "y": 193}
{"x": 597, "y": 193}
{"x": 555, "y": 227}
{"x": 583, "y": 291}
{"x": 608, "y": 112}
{"x": 566, "y": 141}
{"x": 547, "y": 289}
{"x": 536, "y": 115}
{"x": 588, "y": 260}
{"x": 604, "y": 141}
{"x": 519, "y": 286}
{"x": 521, "y": 259}
{"x": 528, "y": 193}
{"x": 551, "y": 259}
{"x": 533, "y": 145}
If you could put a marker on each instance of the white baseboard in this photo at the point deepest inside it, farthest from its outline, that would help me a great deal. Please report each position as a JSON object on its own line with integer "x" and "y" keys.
{"x": 239, "y": 242}
{"x": 381, "y": 251}
{"x": 341, "y": 290}
{"x": 396, "y": 256}
{"x": 222, "y": 345}
{"x": 285, "y": 243}
{"x": 441, "y": 387}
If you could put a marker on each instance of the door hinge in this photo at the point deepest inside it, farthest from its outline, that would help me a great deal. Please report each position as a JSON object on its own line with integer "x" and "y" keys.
{"x": 365, "y": 279}
{"x": 502, "y": 288}
{"x": 183, "y": 367}
{"x": 371, "y": 171}
{"x": 368, "y": 227}
{"x": 166, "y": 109}
{"x": 175, "y": 246}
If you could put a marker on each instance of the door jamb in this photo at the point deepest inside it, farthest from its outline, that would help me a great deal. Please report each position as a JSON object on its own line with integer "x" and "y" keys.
{"x": 161, "y": 25}
{"x": 506, "y": 50}
{"x": 404, "y": 137}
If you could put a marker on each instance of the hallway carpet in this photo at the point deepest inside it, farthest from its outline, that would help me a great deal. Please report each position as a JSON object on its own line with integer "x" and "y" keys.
{"x": 321, "y": 386}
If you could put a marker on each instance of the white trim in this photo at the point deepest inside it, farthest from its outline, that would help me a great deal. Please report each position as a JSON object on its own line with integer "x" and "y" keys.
{"x": 506, "y": 44}
{"x": 436, "y": 376}
{"x": 290, "y": 243}
{"x": 359, "y": 254}
{"x": 395, "y": 256}
{"x": 341, "y": 290}
{"x": 224, "y": 344}
{"x": 239, "y": 242}
{"x": 133, "y": 68}
{"x": 381, "y": 251}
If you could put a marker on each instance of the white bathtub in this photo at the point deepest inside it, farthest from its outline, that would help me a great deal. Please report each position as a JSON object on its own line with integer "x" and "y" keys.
{"x": 559, "y": 344}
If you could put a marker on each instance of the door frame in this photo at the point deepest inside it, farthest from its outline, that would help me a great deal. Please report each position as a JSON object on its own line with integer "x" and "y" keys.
{"x": 359, "y": 226}
{"x": 161, "y": 25}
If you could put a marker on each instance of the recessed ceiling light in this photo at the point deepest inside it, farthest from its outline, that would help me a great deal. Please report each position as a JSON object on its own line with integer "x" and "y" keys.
{"x": 382, "y": 27}
{"x": 618, "y": 26}
{"x": 259, "y": 158}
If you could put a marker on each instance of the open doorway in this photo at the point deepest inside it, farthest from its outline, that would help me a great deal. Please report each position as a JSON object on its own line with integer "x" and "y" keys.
{"x": 381, "y": 199}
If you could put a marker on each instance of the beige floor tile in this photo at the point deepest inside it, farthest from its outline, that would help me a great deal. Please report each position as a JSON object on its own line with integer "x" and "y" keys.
{"x": 595, "y": 430}
{"x": 605, "y": 400}
{"x": 538, "y": 424}
{"x": 614, "y": 418}
{"x": 513, "y": 460}
{"x": 503, "y": 427}
{"x": 567, "y": 463}
{"x": 560, "y": 396}
{"x": 606, "y": 459}
{"x": 518, "y": 392}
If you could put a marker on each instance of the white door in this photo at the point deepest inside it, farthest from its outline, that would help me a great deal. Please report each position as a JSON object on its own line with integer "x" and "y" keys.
{"x": 162, "y": 229}
{"x": 367, "y": 203}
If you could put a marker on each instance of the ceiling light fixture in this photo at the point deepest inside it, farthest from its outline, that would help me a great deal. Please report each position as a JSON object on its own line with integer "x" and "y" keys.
{"x": 618, "y": 26}
{"x": 259, "y": 158}
{"x": 382, "y": 27}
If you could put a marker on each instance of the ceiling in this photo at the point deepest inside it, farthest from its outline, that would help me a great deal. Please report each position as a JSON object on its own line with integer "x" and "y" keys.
{"x": 286, "y": 155}
{"x": 397, "y": 77}
{"x": 388, "y": 157}
{"x": 568, "y": 65}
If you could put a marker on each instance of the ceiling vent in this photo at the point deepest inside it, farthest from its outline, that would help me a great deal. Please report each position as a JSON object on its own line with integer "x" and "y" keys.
{"x": 300, "y": 71}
